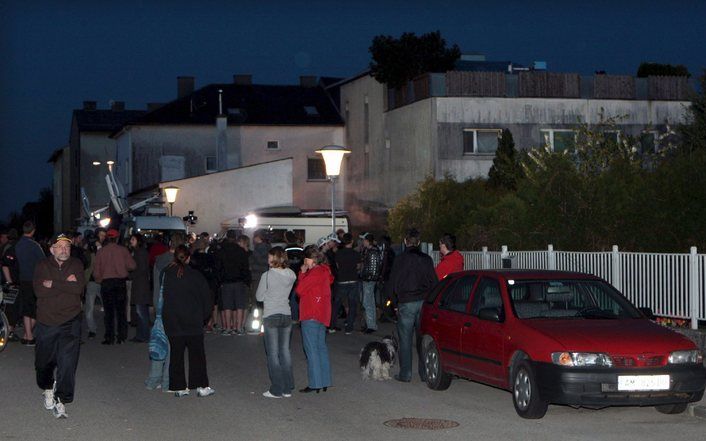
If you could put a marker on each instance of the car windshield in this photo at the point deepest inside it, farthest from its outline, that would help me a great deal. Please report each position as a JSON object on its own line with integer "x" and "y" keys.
{"x": 587, "y": 299}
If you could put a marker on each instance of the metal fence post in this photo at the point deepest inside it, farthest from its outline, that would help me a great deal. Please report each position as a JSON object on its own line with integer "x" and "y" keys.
{"x": 617, "y": 275}
{"x": 485, "y": 260}
{"x": 551, "y": 257}
{"x": 694, "y": 288}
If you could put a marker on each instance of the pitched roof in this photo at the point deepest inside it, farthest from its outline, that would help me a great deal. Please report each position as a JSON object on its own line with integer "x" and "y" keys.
{"x": 104, "y": 120}
{"x": 249, "y": 104}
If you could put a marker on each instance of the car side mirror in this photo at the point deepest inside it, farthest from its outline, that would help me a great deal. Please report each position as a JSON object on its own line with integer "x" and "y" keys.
{"x": 491, "y": 314}
{"x": 647, "y": 312}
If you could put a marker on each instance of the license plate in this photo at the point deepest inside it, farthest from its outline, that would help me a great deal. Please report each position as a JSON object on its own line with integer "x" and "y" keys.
{"x": 643, "y": 382}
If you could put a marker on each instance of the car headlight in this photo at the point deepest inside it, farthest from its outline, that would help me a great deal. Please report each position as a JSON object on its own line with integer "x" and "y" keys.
{"x": 580, "y": 359}
{"x": 683, "y": 357}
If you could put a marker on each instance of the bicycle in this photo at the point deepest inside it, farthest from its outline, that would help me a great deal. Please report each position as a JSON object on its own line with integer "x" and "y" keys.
{"x": 8, "y": 295}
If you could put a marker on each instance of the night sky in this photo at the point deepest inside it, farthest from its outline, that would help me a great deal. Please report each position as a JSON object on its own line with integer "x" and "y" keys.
{"x": 56, "y": 54}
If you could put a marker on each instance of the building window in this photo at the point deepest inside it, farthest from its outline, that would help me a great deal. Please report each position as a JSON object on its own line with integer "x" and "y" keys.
{"x": 272, "y": 145}
{"x": 611, "y": 136}
{"x": 648, "y": 142}
{"x": 480, "y": 141}
{"x": 559, "y": 140}
{"x": 211, "y": 164}
{"x": 316, "y": 169}
{"x": 311, "y": 110}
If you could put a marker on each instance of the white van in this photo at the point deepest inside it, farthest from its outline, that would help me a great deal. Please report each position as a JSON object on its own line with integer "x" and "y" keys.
{"x": 306, "y": 228}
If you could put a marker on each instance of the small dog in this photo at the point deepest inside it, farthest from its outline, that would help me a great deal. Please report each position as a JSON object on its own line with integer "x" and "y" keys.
{"x": 377, "y": 357}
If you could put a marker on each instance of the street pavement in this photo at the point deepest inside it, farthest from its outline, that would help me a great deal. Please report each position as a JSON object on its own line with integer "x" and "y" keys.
{"x": 111, "y": 403}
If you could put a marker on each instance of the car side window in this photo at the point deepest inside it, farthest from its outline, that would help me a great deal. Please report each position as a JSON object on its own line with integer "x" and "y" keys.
{"x": 434, "y": 293}
{"x": 487, "y": 296}
{"x": 456, "y": 297}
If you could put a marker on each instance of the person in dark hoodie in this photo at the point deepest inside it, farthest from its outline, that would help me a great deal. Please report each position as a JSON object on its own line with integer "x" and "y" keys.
{"x": 411, "y": 278}
{"x": 234, "y": 273}
{"x": 187, "y": 305}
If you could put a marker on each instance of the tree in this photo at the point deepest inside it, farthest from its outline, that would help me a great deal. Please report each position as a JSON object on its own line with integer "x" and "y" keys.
{"x": 505, "y": 171}
{"x": 397, "y": 61}
{"x": 693, "y": 131}
{"x": 647, "y": 69}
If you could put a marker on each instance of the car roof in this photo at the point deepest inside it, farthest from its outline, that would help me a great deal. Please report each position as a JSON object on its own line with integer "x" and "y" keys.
{"x": 531, "y": 274}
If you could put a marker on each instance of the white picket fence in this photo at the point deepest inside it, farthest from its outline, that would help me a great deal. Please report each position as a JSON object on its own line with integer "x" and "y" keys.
{"x": 672, "y": 285}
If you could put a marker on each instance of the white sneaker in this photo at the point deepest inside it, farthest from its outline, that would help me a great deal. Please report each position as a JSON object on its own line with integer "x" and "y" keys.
{"x": 287, "y": 395}
{"x": 204, "y": 391}
{"x": 48, "y": 399}
{"x": 181, "y": 393}
{"x": 269, "y": 395}
{"x": 59, "y": 410}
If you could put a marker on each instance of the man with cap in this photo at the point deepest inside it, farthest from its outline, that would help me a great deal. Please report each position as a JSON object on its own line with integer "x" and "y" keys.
{"x": 58, "y": 284}
{"x": 111, "y": 270}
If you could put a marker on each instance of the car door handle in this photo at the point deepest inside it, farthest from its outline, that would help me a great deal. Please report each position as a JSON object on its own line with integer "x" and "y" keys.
{"x": 467, "y": 325}
{"x": 435, "y": 316}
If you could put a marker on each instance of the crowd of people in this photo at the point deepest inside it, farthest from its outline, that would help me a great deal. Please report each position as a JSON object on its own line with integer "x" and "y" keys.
{"x": 176, "y": 291}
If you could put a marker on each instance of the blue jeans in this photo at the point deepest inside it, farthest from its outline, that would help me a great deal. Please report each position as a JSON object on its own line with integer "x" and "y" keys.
{"x": 340, "y": 292}
{"x": 159, "y": 374}
{"x": 317, "y": 362}
{"x": 143, "y": 322}
{"x": 369, "y": 305}
{"x": 408, "y": 316}
{"x": 278, "y": 333}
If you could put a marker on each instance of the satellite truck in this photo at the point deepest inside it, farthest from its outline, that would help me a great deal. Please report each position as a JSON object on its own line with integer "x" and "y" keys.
{"x": 306, "y": 226}
{"x": 147, "y": 217}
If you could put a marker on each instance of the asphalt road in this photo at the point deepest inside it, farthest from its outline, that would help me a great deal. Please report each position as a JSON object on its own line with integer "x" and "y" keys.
{"x": 112, "y": 404}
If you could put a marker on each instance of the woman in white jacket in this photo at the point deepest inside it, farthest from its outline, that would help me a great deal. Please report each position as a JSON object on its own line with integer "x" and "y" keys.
{"x": 273, "y": 290}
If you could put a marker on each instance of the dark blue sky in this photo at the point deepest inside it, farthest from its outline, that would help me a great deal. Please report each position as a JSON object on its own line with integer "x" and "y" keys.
{"x": 56, "y": 54}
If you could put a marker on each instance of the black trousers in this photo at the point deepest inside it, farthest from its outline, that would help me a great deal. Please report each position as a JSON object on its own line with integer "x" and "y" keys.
{"x": 114, "y": 295}
{"x": 57, "y": 349}
{"x": 197, "y": 362}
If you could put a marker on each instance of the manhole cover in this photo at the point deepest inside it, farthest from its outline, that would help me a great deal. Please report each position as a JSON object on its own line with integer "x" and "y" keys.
{"x": 421, "y": 423}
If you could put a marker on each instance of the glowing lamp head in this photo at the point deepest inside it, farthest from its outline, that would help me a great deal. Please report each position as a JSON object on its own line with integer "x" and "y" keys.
{"x": 250, "y": 222}
{"x": 333, "y": 156}
{"x": 171, "y": 193}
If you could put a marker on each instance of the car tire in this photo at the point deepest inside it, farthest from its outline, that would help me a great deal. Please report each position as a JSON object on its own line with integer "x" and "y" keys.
{"x": 525, "y": 392}
{"x": 671, "y": 409}
{"x": 436, "y": 378}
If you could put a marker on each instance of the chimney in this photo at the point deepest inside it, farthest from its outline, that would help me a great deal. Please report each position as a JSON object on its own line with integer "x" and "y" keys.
{"x": 308, "y": 81}
{"x": 117, "y": 106}
{"x": 242, "y": 79}
{"x": 153, "y": 106}
{"x": 185, "y": 86}
{"x": 89, "y": 105}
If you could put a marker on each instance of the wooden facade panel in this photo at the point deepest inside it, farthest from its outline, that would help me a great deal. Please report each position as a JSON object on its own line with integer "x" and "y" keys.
{"x": 668, "y": 88}
{"x": 617, "y": 87}
{"x": 549, "y": 85}
{"x": 491, "y": 84}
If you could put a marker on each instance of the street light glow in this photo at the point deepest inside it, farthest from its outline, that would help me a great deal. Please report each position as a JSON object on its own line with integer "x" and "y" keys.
{"x": 333, "y": 156}
{"x": 171, "y": 194}
{"x": 96, "y": 163}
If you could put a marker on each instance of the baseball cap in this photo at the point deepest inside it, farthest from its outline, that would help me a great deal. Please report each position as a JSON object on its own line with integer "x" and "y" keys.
{"x": 61, "y": 237}
{"x": 321, "y": 242}
{"x": 333, "y": 237}
{"x": 112, "y": 233}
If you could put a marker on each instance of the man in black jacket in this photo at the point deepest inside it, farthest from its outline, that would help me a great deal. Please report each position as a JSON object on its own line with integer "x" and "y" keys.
{"x": 411, "y": 278}
{"x": 234, "y": 272}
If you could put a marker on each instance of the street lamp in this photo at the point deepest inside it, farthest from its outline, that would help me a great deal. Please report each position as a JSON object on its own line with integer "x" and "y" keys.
{"x": 333, "y": 155}
{"x": 171, "y": 194}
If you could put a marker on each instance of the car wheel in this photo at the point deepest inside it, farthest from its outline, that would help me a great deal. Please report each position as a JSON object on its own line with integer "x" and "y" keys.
{"x": 437, "y": 379}
{"x": 525, "y": 392}
{"x": 671, "y": 409}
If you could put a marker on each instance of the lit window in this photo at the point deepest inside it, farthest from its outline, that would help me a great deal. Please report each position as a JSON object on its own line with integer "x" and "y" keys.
{"x": 480, "y": 141}
{"x": 559, "y": 140}
{"x": 316, "y": 169}
{"x": 272, "y": 145}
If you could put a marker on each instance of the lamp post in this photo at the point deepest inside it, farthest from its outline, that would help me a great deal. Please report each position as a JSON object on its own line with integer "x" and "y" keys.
{"x": 171, "y": 194}
{"x": 333, "y": 155}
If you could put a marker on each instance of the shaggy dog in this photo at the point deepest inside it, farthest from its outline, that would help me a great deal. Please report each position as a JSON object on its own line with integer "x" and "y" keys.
{"x": 377, "y": 357}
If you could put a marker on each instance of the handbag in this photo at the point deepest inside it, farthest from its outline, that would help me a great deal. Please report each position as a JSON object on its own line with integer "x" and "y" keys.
{"x": 159, "y": 343}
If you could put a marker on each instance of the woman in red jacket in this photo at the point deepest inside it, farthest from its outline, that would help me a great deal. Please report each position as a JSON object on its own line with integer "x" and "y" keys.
{"x": 451, "y": 260}
{"x": 314, "y": 291}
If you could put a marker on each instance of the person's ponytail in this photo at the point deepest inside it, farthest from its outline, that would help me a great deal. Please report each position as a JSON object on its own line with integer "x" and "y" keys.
{"x": 181, "y": 258}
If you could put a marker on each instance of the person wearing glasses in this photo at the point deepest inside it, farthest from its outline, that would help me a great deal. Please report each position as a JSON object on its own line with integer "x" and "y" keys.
{"x": 58, "y": 284}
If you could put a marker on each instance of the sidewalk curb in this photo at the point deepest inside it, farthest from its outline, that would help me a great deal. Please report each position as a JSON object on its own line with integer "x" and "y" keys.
{"x": 697, "y": 410}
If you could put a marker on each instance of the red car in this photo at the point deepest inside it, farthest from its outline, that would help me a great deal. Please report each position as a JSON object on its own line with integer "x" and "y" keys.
{"x": 555, "y": 337}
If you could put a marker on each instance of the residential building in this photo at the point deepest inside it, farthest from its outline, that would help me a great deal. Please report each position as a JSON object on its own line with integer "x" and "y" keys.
{"x": 83, "y": 164}
{"x": 229, "y": 126}
{"x": 449, "y": 123}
